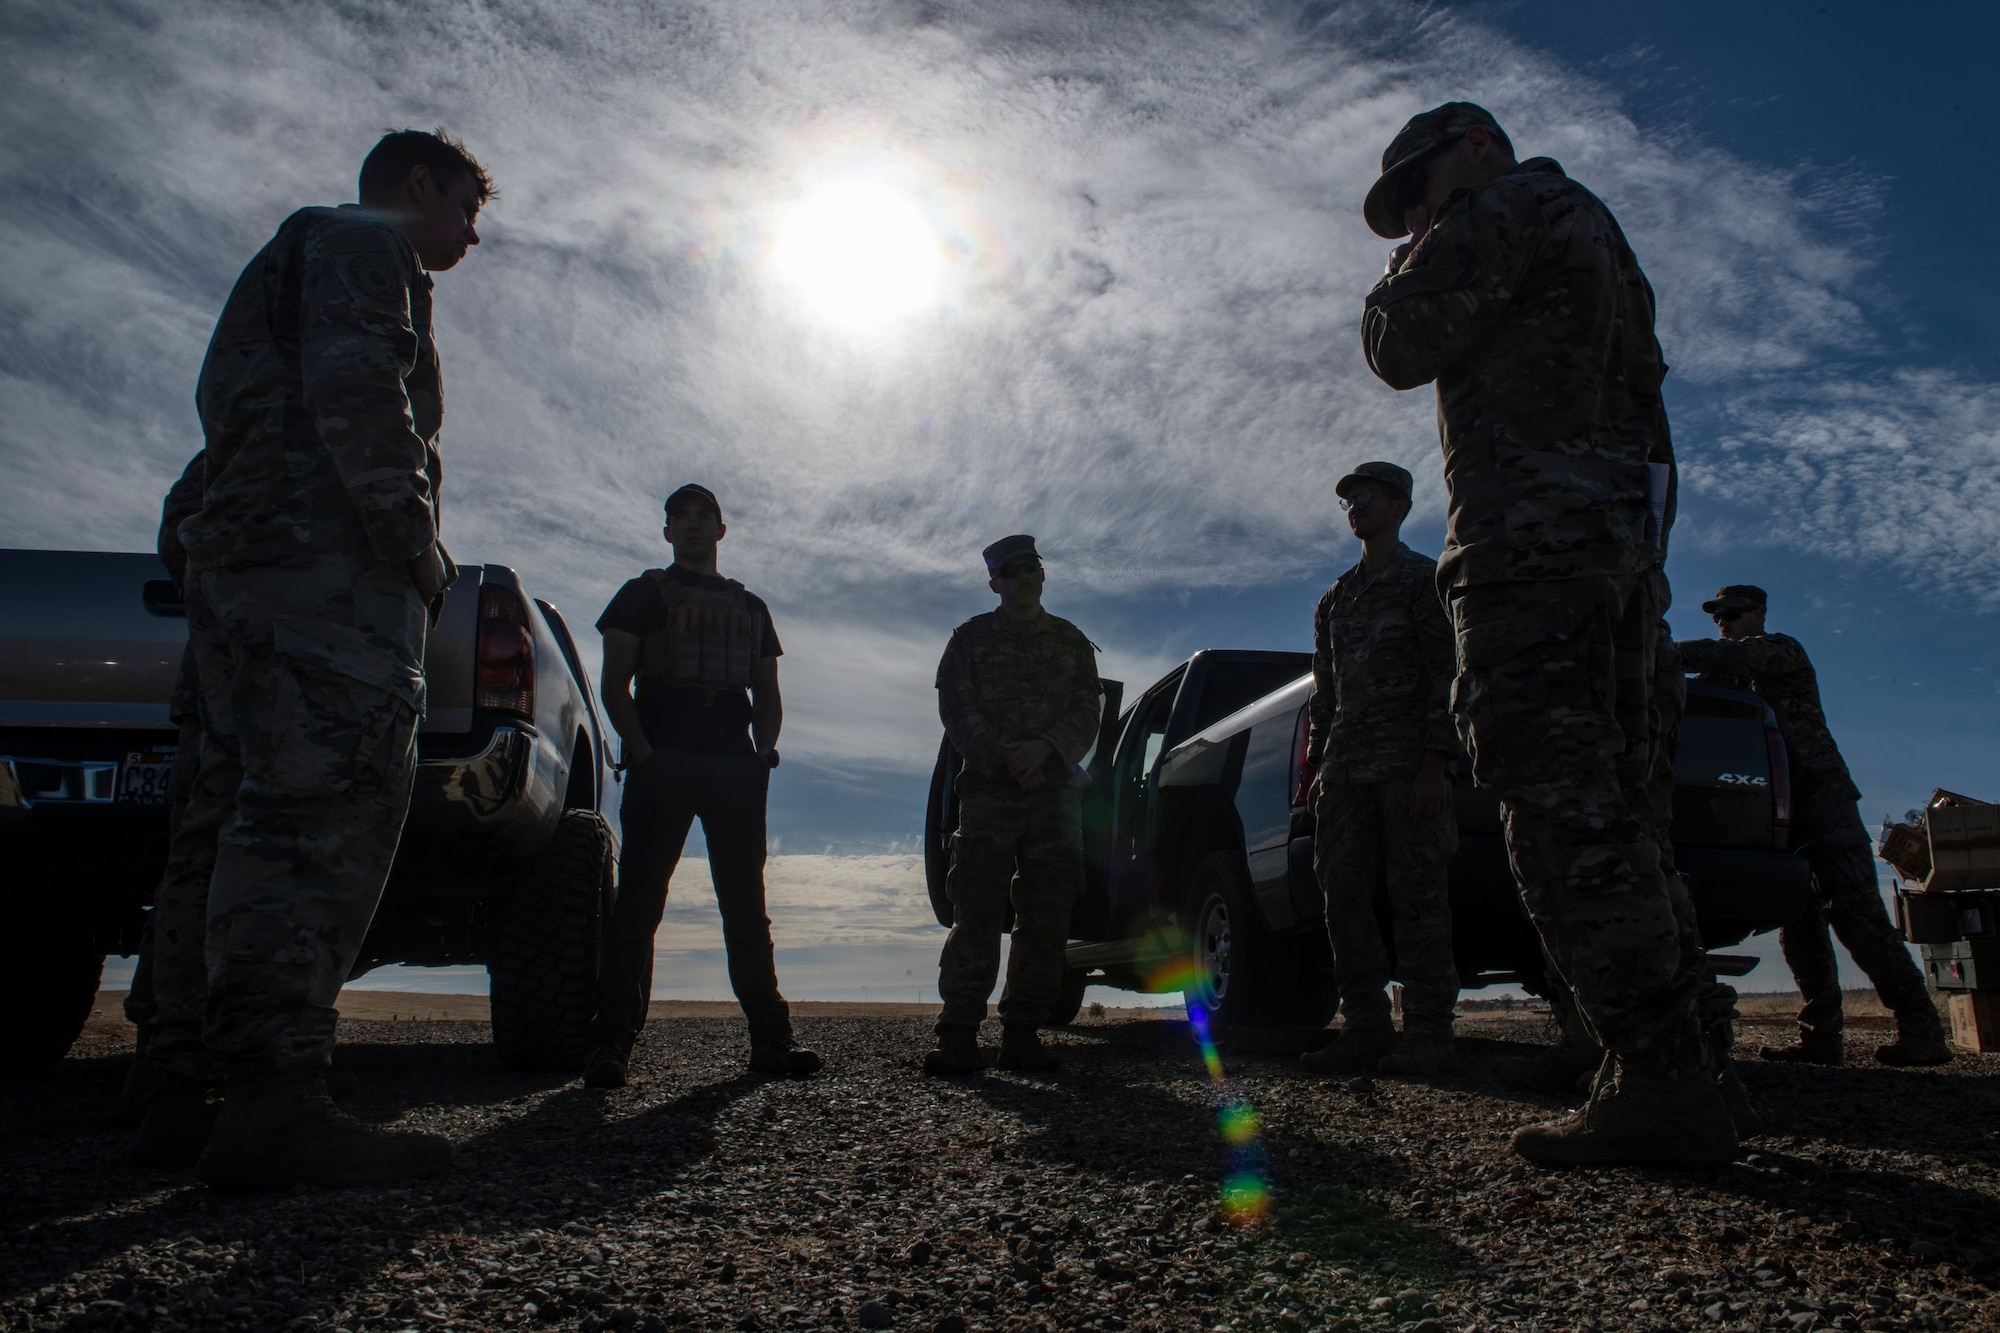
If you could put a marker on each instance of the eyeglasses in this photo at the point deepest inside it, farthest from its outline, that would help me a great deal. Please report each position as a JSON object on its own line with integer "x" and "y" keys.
{"x": 1356, "y": 498}
{"x": 1015, "y": 569}
{"x": 1729, "y": 617}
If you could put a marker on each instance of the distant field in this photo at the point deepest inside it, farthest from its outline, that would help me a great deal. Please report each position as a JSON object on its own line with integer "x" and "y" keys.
{"x": 108, "y": 1017}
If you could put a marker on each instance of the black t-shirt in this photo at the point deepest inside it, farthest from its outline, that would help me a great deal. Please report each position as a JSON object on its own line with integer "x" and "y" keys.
{"x": 693, "y": 720}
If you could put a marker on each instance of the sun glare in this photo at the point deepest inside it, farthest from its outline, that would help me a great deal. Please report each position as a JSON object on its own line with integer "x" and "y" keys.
{"x": 860, "y": 255}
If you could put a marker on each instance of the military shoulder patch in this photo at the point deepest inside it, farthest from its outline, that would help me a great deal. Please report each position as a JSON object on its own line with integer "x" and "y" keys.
{"x": 373, "y": 278}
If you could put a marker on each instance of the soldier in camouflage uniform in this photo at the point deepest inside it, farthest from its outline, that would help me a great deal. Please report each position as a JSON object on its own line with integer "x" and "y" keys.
{"x": 1382, "y": 744}
{"x": 1520, "y": 298}
{"x": 181, "y": 913}
{"x": 1018, "y": 692}
{"x": 1827, "y": 827}
{"x": 1562, "y": 1067}
{"x": 313, "y": 566}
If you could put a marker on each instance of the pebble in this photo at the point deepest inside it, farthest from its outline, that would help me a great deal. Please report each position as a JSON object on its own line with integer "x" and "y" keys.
{"x": 872, "y": 1189}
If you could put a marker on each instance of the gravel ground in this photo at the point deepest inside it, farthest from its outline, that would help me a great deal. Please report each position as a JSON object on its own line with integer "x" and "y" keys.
{"x": 872, "y": 1197}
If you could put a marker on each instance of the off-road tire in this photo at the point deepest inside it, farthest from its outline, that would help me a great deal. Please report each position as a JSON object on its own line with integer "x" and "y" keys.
{"x": 544, "y": 945}
{"x": 1240, "y": 968}
{"x": 1069, "y": 1000}
{"x": 49, "y": 969}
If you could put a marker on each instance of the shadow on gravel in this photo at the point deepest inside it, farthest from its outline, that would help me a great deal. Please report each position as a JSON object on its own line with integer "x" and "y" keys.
{"x": 1140, "y": 1107}
{"x": 1948, "y": 1115}
{"x": 1871, "y": 1207}
{"x": 60, "y": 1151}
{"x": 71, "y": 1202}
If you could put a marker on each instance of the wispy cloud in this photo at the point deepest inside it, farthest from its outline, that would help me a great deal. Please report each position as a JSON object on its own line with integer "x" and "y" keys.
{"x": 1148, "y": 355}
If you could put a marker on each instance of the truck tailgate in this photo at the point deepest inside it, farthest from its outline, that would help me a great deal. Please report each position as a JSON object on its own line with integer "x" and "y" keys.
{"x": 92, "y": 639}
{"x": 82, "y": 644}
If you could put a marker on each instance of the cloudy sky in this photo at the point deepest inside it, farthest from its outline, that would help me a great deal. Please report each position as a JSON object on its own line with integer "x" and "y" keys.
{"x": 1110, "y": 260}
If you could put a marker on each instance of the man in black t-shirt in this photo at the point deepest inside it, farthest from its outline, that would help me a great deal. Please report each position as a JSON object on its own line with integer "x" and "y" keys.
{"x": 699, "y": 742}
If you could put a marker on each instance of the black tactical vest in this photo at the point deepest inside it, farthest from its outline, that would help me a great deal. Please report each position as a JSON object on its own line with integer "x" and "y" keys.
{"x": 710, "y": 638}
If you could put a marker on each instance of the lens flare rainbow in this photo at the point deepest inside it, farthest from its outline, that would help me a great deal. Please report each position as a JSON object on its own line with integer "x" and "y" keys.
{"x": 1246, "y": 1188}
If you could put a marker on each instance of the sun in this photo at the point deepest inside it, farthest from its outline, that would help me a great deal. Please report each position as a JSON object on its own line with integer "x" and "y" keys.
{"x": 859, "y": 255}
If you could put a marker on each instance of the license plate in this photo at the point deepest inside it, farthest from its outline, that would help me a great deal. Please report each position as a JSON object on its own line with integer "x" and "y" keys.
{"x": 143, "y": 779}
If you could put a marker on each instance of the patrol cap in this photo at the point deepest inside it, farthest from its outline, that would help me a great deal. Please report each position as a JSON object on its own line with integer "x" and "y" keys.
{"x": 1438, "y": 128}
{"x": 1736, "y": 597}
{"x": 697, "y": 494}
{"x": 1388, "y": 474}
{"x": 1000, "y": 552}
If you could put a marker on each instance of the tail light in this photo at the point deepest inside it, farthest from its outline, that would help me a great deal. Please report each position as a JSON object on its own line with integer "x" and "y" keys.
{"x": 506, "y": 665}
{"x": 1781, "y": 777}
{"x": 1302, "y": 767}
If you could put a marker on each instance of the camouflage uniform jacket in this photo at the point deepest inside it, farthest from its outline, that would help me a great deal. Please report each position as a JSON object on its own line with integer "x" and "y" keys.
{"x": 183, "y": 499}
{"x": 1527, "y": 308}
{"x": 1383, "y": 662}
{"x": 1001, "y": 681}
{"x": 1777, "y": 668}
{"x": 320, "y": 400}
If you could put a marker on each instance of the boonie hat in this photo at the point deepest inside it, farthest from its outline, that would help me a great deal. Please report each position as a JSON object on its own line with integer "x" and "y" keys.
{"x": 1000, "y": 552}
{"x": 1735, "y": 597}
{"x": 700, "y": 494}
{"x": 1388, "y": 474}
{"x": 1440, "y": 127}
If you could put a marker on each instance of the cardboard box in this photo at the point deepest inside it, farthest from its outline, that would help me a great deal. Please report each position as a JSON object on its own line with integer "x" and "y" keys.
{"x": 1965, "y": 843}
{"x": 1975, "y": 1020}
{"x": 1907, "y": 849}
{"x": 1941, "y": 918}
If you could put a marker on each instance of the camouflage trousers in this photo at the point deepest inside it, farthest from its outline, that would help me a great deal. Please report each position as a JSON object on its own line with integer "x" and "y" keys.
{"x": 1849, "y": 899}
{"x": 181, "y": 918}
{"x": 311, "y": 686}
{"x": 1023, "y": 847}
{"x": 1715, "y": 1001}
{"x": 1365, "y": 831}
{"x": 1555, "y": 704}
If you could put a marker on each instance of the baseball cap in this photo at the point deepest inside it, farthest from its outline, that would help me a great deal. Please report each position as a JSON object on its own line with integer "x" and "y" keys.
{"x": 1388, "y": 474}
{"x": 1736, "y": 597}
{"x": 1435, "y": 129}
{"x": 697, "y": 494}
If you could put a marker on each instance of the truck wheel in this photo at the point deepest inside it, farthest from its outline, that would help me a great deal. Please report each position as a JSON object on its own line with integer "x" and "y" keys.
{"x": 543, "y": 949}
{"x": 1069, "y": 1000}
{"x": 1238, "y": 967}
{"x": 48, "y": 981}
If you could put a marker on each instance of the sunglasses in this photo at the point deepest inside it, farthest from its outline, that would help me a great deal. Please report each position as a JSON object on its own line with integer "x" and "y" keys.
{"x": 1015, "y": 569}
{"x": 1729, "y": 617}
{"x": 1362, "y": 496}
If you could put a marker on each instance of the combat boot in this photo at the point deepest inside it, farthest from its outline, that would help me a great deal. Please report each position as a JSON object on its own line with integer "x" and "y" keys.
{"x": 957, "y": 1053}
{"x": 1640, "y": 1113}
{"x": 1814, "y": 1048}
{"x": 787, "y": 1060}
{"x": 179, "y": 1117}
{"x": 1919, "y": 1040}
{"x": 1021, "y": 1050}
{"x": 605, "y": 1068}
{"x": 1556, "y": 1071}
{"x": 1736, "y": 1097}
{"x": 1420, "y": 1057}
{"x": 143, "y": 1082}
{"x": 1352, "y": 1051}
{"x": 274, "y": 1133}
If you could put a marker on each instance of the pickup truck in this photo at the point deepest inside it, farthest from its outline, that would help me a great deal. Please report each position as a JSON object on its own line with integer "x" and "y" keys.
{"x": 1198, "y": 846}
{"x": 505, "y": 858}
